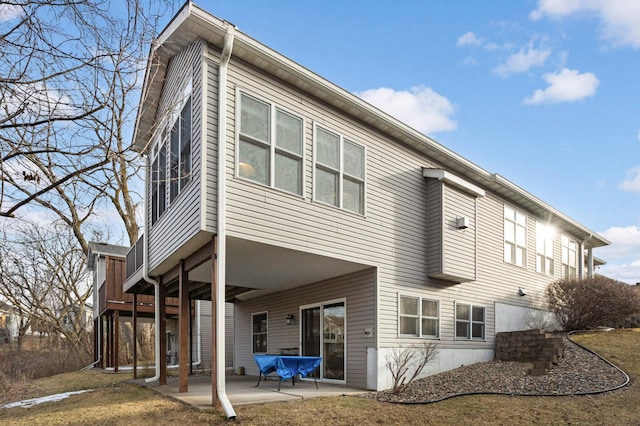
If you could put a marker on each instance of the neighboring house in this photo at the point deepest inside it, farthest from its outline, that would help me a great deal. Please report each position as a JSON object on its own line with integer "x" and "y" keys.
{"x": 8, "y": 323}
{"x": 330, "y": 225}
{"x": 11, "y": 320}
{"x": 76, "y": 314}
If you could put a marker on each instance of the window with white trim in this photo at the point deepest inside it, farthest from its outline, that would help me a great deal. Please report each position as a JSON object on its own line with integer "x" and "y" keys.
{"x": 180, "y": 151}
{"x": 270, "y": 145}
{"x": 544, "y": 248}
{"x": 515, "y": 236}
{"x": 418, "y": 317}
{"x": 259, "y": 332}
{"x": 171, "y": 157}
{"x": 339, "y": 171}
{"x": 569, "y": 257}
{"x": 158, "y": 179}
{"x": 470, "y": 322}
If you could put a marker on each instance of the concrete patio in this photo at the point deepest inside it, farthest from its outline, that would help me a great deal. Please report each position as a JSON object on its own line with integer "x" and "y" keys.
{"x": 242, "y": 390}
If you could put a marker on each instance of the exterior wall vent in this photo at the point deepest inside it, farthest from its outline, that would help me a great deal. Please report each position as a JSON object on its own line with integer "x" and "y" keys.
{"x": 462, "y": 222}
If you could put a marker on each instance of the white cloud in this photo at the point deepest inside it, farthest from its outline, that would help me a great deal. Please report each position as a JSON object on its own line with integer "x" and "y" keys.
{"x": 522, "y": 61}
{"x": 420, "y": 107}
{"x": 9, "y": 12}
{"x": 619, "y": 19}
{"x": 623, "y": 255}
{"x": 632, "y": 182}
{"x": 565, "y": 86}
{"x": 468, "y": 38}
{"x": 625, "y": 242}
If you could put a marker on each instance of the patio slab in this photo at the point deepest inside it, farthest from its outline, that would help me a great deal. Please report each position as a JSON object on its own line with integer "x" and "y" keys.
{"x": 242, "y": 390}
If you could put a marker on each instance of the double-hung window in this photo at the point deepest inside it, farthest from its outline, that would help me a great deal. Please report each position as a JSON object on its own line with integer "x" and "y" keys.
{"x": 259, "y": 332}
{"x": 470, "y": 322}
{"x": 544, "y": 248}
{"x": 515, "y": 236}
{"x": 419, "y": 317}
{"x": 270, "y": 146}
{"x": 339, "y": 171}
{"x": 569, "y": 257}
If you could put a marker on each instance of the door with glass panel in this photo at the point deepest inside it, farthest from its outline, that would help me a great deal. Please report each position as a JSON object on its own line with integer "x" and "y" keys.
{"x": 323, "y": 333}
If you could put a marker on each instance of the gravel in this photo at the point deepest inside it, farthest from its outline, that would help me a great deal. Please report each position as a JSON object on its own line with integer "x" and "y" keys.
{"x": 578, "y": 372}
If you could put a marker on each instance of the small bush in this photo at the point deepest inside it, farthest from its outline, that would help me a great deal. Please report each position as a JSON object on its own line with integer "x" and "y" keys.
{"x": 587, "y": 303}
{"x": 401, "y": 360}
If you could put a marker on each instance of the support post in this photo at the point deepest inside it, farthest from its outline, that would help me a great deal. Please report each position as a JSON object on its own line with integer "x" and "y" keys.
{"x": 183, "y": 325}
{"x": 134, "y": 319}
{"x": 162, "y": 292}
{"x": 116, "y": 341}
{"x": 214, "y": 307}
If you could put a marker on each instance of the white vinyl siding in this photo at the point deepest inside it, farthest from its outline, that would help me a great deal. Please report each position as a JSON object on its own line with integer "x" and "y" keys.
{"x": 569, "y": 257}
{"x": 183, "y": 85}
{"x": 515, "y": 236}
{"x": 339, "y": 171}
{"x": 544, "y": 249}
{"x": 470, "y": 322}
{"x": 270, "y": 145}
{"x": 418, "y": 317}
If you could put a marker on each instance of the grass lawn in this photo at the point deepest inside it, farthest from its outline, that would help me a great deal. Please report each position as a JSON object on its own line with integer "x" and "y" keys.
{"x": 117, "y": 403}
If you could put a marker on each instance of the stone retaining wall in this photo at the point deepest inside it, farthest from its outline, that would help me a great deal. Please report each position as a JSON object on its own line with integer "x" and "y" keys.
{"x": 535, "y": 346}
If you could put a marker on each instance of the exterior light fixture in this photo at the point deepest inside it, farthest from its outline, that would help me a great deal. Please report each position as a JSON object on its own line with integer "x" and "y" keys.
{"x": 290, "y": 319}
{"x": 521, "y": 292}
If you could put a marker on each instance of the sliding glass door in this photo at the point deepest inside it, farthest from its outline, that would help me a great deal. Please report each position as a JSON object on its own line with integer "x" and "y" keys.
{"x": 323, "y": 331}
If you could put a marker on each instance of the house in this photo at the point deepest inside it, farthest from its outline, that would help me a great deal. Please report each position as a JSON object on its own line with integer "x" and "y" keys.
{"x": 331, "y": 226}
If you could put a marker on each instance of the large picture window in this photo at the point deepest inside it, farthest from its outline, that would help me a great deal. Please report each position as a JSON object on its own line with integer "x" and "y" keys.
{"x": 418, "y": 317}
{"x": 339, "y": 171}
{"x": 259, "y": 333}
{"x": 515, "y": 236}
{"x": 544, "y": 248}
{"x": 569, "y": 257}
{"x": 470, "y": 321}
{"x": 270, "y": 145}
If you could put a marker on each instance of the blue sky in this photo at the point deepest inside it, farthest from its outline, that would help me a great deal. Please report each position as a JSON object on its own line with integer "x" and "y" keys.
{"x": 545, "y": 93}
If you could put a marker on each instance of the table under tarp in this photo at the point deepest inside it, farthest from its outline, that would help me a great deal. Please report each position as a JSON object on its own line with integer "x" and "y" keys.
{"x": 287, "y": 366}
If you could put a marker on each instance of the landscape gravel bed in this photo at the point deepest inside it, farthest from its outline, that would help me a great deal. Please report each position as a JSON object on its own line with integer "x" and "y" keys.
{"x": 579, "y": 371}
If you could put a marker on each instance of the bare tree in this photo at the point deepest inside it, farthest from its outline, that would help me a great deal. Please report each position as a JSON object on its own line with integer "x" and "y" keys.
{"x": 69, "y": 83}
{"x": 43, "y": 275}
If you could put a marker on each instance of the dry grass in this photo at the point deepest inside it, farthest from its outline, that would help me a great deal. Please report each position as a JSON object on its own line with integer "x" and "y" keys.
{"x": 117, "y": 403}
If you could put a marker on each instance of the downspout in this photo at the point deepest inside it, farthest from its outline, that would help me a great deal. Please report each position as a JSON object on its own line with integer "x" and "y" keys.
{"x": 147, "y": 278}
{"x": 222, "y": 243}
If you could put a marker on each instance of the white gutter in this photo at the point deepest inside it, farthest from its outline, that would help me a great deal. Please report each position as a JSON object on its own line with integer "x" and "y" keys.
{"x": 145, "y": 276}
{"x": 222, "y": 232}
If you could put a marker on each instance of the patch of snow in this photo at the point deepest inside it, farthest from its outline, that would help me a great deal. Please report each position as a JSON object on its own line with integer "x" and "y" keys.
{"x": 35, "y": 401}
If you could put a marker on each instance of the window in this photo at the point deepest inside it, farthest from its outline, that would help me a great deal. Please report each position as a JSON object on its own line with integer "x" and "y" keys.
{"x": 515, "y": 236}
{"x": 544, "y": 248}
{"x": 171, "y": 158}
{"x": 180, "y": 151}
{"x": 159, "y": 180}
{"x": 339, "y": 171}
{"x": 270, "y": 148}
{"x": 419, "y": 317}
{"x": 259, "y": 325}
{"x": 470, "y": 321}
{"x": 569, "y": 257}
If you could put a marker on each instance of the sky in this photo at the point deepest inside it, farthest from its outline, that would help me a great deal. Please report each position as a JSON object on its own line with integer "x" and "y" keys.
{"x": 544, "y": 93}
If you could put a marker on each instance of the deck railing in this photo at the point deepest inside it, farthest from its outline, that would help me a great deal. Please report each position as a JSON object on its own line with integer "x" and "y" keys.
{"x": 135, "y": 257}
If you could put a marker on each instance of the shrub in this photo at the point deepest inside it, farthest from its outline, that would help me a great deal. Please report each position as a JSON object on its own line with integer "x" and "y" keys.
{"x": 591, "y": 302}
{"x": 401, "y": 360}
